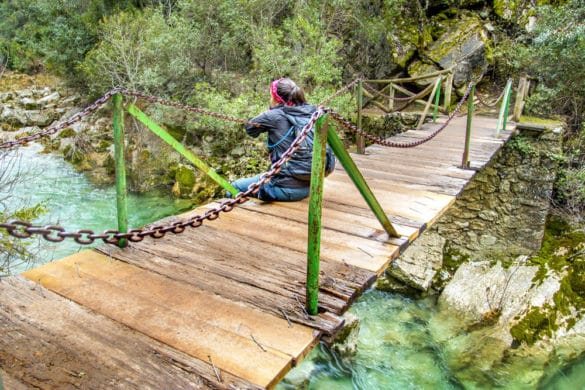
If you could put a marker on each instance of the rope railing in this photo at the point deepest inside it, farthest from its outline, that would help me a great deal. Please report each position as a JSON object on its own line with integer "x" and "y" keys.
{"x": 377, "y": 140}
{"x": 493, "y": 104}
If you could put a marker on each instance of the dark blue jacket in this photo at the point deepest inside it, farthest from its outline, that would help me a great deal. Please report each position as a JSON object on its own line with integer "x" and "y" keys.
{"x": 296, "y": 172}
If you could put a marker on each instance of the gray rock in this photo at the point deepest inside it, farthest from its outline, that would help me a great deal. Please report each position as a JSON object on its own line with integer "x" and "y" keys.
{"x": 462, "y": 47}
{"x": 52, "y": 98}
{"x": 419, "y": 264}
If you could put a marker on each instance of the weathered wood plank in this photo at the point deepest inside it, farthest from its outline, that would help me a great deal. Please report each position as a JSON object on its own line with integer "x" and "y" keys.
{"x": 335, "y": 246}
{"x": 180, "y": 315}
{"x": 347, "y": 221}
{"x": 51, "y": 342}
{"x": 260, "y": 274}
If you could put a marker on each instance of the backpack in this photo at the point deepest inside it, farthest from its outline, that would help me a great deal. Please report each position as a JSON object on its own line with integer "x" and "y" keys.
{"x": 306, "y": 146}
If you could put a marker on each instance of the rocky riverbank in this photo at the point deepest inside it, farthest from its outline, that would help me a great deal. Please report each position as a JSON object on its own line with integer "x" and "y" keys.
{"x": 506, "y": 266}
{"x": 30, "y": 104}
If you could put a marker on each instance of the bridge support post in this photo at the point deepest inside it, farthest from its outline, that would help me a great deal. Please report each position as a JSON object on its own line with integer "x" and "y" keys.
{"x": 354, "y": 173}
{"x": 119, "y": 157}
{"x": 315, "y": 209}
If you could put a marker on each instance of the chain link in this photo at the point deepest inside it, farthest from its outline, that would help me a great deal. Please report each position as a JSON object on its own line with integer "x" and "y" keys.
{"x": 60, "y": 126}
{"x": 353, "y": 128}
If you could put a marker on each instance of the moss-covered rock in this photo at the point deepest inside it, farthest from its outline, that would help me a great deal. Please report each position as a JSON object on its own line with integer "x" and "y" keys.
{"x": 184, "y": 181}
{"x": 67, "y": 133}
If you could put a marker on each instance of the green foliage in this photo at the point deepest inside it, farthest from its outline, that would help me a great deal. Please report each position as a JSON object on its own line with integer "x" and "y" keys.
{"x": 17, "y": 252}
{"x": 554, "y": 53}
{"x": 37, "y": 34}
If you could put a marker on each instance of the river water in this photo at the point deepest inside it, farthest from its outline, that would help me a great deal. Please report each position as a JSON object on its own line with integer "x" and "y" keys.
{"x": 399, "y": 343}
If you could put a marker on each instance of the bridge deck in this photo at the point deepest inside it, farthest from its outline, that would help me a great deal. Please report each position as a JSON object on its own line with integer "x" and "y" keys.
{"x": 221, "y": 305}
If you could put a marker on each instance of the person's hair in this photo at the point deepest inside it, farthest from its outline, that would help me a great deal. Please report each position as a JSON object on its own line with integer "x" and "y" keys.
{"x": 289, "y": 91}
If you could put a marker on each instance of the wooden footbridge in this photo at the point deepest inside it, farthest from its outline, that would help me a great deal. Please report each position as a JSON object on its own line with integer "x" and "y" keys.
{"x": 223, "y": 305}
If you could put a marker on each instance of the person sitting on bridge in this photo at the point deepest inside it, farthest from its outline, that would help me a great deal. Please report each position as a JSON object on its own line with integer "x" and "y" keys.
{"x": 288, "y": 107}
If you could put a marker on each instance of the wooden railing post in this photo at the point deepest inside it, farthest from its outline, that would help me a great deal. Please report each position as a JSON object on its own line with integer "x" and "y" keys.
{"x": 428, "y": 105}
{"x": 520, "y": 96}
{"x": 448, "y": 92}
{"x": 465, "y": 159}
{"x": 390, "y": 98}
{"x": 315, "y": 209}
{"x": 119, "y": 158}
{"x": 360, "y": 142}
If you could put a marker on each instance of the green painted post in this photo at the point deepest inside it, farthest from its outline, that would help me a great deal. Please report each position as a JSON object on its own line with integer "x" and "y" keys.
{"x": 315, "y": 208}
{"x": 119, "y": 157}
{"x": 465, "y": 159}
{"x": 437, "y": 99}
{"x": 352, "y": 170}
{"x": 502, "y": 117}
{"x": 507, "y": 104}
{"x": 169, "y": 139}
{"x": 360, "y": 142}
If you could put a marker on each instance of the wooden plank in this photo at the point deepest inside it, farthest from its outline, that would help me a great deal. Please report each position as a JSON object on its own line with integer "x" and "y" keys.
{"x": 51, "y": 342}
{"x": 263, "y": 275}
{"x": 180, "y": 315}
{"x": 335, "y": 246}
{"x": 351, "y": 223}
{"x": 419, "y": 206}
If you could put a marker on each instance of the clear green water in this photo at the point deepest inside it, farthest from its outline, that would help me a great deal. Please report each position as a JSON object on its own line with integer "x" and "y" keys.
{"x": 73, "y": 202}
{"x": 398, "y": 347}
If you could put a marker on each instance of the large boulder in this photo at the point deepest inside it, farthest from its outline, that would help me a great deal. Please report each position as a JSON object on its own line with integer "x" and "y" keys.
{"x": 461, "y": 45}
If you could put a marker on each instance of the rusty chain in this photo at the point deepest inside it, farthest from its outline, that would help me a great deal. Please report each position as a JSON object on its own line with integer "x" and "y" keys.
{"x": 103, "y": 100}
{"x": 340, "y": 91}
{"x": 60, "y": 126}
{"x": 353, "y": 128}
{"x": 53, "y": 233}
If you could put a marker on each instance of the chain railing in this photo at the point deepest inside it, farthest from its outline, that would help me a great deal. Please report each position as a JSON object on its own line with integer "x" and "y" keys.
{"x": 54, "y": 233}
{"x": 324, "y": 134}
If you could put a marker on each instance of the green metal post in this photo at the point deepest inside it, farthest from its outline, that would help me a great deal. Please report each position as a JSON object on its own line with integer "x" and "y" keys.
{"x": 507, "y": 105}
{"x": 165, "y": 136}
{"x": 352, "y": 170}
{"x": 465, "y": 159}
{"x": 315, "y": 208}
{"x": 119, "y": 157}
{"x": 437, "y": 99}
{"x": 503, "y": 116}
{"x": 360, "y": 142}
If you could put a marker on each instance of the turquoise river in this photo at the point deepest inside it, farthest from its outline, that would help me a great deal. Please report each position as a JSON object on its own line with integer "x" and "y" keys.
{"x": 397, "y": 346}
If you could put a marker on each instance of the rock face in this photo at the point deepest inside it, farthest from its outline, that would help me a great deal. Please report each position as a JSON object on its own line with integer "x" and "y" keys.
{"x": 490, "y": 300}
{"x": 461, "y": 45}
{"x": 501, "y": 213}
{"x": 418, "y": 267}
